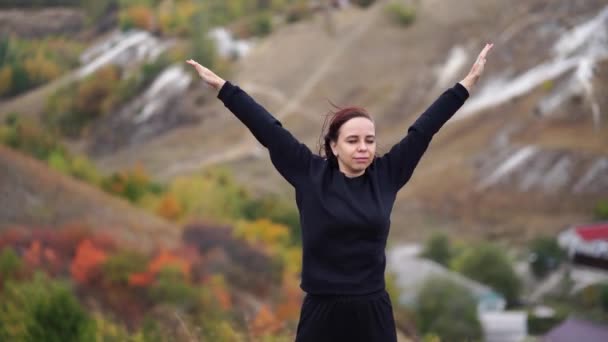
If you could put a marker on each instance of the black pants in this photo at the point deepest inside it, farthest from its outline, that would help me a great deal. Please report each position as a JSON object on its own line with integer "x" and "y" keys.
{"x": 364, "y": 318}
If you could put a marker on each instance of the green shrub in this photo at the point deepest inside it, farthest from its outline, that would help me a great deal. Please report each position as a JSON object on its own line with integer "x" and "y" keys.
{"x": 545, "y": 255}
{"x": 42, "y": 310}
{"x": 132, "y": 185}
{"x": 70, "y": 109}
{"x": 277, "y": 210}
{"x": 262, "y": 24}
{"x": 26, "y": 64}
{"x": 117, "y": 268}
{"x": 29, "y": 138}
{"x": 172, "y": 287}
{"x": 400, "y": 13}
{"x": 448, "y": 310}
{"x": 541, "y": 325}
{"x": 489, "y": 265}
{"x": 10, "y": 264}
{"x": 82, "y": 168}
{"x": 601, "y": 210}
{"x": 438, "y": 249}
{"x": 363, "y": 3}
{"x": 297, "y": 12}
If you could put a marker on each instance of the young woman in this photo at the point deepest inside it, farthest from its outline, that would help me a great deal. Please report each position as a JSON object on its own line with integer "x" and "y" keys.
{"x": 344, "y": 198}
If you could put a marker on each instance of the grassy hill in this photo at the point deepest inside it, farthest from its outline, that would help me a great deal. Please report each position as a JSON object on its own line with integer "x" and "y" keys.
{"x": 392, "y": 70}
{"x": 396, "y": 71}
{"x": 33, "y": 195}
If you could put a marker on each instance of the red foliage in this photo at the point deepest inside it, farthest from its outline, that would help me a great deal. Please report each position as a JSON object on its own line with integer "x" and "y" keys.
{"x": 86, "y": 265}
{"x": 53, "y": 263}
{"x": 141, "y": 279}
{"x": 164, "y": 259}
{"x": 13, "y": 237}
{"x": 32, "y": 254}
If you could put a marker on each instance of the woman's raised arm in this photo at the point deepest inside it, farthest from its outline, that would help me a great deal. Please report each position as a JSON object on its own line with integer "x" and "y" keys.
{"x": 289, "y": 156}
{"x": 399, "y": 163}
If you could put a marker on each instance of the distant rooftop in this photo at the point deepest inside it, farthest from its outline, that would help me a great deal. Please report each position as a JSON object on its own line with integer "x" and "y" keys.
{"x": 595, "y": 231}
{"x": 574, "y": 329}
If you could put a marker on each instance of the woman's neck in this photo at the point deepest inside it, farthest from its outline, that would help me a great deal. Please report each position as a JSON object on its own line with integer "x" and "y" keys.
{"x": 349, "y": 173}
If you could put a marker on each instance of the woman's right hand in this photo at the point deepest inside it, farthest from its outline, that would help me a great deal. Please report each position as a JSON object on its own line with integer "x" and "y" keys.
{"x": 207, "y": 75}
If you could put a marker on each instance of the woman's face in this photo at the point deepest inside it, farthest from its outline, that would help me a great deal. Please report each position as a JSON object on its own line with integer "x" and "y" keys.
{"x": 356, "y": 146}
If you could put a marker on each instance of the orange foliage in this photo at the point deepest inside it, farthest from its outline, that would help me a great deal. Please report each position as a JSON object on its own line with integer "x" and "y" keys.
{"x": 169, "y": 207}
{"x": 87, "y": 261}
{"x": 52, "y": 262}
{"x": 289, "y": 308}
{"x": 162, "y": 260}
{"x": 141, "y": 17}
{"x": 32, "y": 254}
{"x": 223, "y": 297}
{"x": 141, "y": 279}
{"x": 265, "y": 322}
{"x": 217, "y": 286}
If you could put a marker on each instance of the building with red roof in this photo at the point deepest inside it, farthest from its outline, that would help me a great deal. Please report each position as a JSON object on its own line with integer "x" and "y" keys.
{"x": 587, "y": 244}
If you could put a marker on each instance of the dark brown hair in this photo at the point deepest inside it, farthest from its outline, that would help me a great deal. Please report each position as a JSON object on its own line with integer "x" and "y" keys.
{"x": 336, "y": 120}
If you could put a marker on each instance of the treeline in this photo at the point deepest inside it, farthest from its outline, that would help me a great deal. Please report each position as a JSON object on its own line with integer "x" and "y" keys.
{"x": 104, "y": 289}
{"x": 26, "y": 64}
{"x": 442, "y": 302}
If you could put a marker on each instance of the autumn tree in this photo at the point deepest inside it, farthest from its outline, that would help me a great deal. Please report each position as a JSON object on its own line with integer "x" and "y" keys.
{"x": 86, "y": 265}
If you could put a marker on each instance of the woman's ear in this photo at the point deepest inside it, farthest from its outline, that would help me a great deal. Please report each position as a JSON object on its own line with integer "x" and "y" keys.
{"x": 333, "y": 144}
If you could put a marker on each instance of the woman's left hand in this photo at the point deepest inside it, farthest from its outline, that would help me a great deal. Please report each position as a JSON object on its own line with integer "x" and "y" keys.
{"x": 471, "y": 79}
{"x": 207, "y": 75}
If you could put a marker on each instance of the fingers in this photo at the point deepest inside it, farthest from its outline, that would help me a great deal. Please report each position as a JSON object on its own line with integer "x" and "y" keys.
{"x": 485, "y": 50}
{"x": 194, "y": 63}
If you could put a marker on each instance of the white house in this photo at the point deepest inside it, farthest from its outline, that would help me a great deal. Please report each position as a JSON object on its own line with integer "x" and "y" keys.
{"x": 587, "y": 244}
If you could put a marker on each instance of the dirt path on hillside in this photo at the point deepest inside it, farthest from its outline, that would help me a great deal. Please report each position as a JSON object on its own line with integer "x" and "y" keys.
{"x": 248, "y": 146}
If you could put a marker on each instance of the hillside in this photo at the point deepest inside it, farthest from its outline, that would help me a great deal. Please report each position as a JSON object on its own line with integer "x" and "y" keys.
{"x": 527, "y": 154}
{"x": 34, "y": 195}
{"x": 298, "y": 68}
{"x": 107, "y": 83}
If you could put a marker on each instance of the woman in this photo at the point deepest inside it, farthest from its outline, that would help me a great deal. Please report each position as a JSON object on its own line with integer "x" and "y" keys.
{"x": 345, "y": 201}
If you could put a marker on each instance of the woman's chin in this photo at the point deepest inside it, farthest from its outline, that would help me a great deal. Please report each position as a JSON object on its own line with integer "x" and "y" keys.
{"x": 358, "y": 167}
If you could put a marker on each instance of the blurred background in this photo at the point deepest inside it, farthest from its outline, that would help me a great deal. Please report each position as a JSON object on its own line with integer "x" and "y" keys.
{"x": 135, "y": 207}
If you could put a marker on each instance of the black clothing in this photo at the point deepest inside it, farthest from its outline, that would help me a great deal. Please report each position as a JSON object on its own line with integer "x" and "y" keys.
{"x": 364, "y": 318}
{"x": 345, "y": 221}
